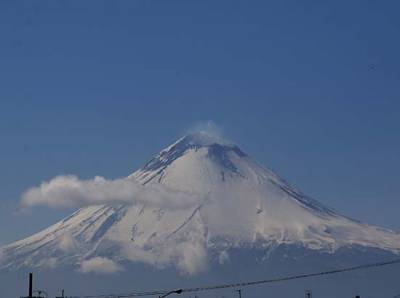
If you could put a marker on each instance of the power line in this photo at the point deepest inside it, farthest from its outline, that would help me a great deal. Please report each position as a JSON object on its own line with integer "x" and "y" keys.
{"x": 248, "y": 283}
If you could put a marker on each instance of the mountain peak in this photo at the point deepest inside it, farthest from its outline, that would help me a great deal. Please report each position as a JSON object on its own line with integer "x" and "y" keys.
{"x": 193, "y": 151}
{"x": 203, "y": 139}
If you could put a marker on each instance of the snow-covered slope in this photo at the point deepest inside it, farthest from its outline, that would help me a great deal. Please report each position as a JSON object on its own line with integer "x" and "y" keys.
{"x": 240, "y": 205}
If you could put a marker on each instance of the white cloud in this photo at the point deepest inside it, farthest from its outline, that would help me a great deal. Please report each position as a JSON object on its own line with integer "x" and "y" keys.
{"x": 210, "y": 128}
{"x": 67, "y": 243}
{"x": 70, "y": 191}
{"x": 193, "y": 258}
{"x": 188, "y": 257}
{"x": 49, "y": 263}
{"x": 100, "y": 265}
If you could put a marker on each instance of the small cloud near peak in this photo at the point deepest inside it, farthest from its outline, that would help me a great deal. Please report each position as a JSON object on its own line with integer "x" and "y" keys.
{"x": 206, "y": 133}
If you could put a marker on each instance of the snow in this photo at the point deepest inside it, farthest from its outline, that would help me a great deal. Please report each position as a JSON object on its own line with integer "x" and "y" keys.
{"x": 239, "y": 204}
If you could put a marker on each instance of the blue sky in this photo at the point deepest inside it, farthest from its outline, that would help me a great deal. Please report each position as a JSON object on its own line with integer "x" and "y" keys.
{"x": 309, "y": 89}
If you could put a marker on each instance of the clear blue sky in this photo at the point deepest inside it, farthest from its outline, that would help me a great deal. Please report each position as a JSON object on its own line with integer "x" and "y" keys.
{"x": 310, "y": 89}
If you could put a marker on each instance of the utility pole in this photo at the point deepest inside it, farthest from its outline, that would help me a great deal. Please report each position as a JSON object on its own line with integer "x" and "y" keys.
{"x": 239, "y": 292}
{"x": 30, "y": 289}
{"x": 30, "y": 284}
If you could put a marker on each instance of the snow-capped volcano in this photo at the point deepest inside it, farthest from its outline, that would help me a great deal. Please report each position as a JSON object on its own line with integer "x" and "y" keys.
{"x": 239, "y": 204}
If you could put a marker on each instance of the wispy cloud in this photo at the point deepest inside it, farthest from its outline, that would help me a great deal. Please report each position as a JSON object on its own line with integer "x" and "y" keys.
{"x": 100, "y": 265}
{"x": 208, "y": 127}
{"x": 70, "y": 191}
